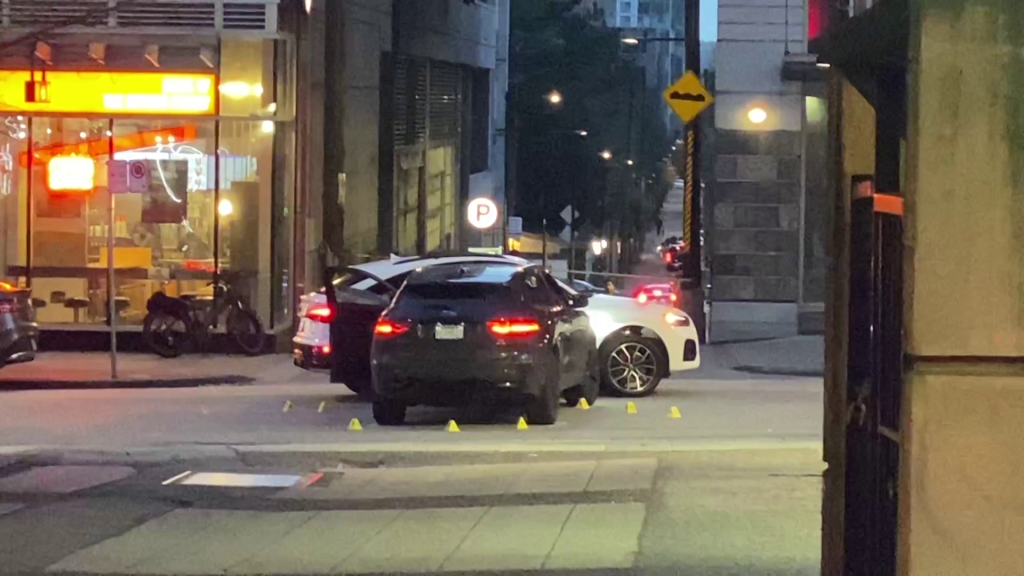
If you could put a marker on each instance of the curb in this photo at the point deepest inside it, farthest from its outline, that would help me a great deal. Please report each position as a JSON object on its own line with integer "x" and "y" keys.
{"x": 799, "y": 372}
{"x": 132, "y": 383}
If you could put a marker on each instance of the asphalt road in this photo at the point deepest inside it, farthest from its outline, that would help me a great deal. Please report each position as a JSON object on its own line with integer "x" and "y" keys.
{"x": 717, "y": 407}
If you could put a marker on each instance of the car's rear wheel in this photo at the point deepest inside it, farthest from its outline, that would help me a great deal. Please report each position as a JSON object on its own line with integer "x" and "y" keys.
{"x": 389, "y": 412}
{"x": 631, "y": 365}
{"x": 543, "y": 409}
{"x": 589, "y": 388}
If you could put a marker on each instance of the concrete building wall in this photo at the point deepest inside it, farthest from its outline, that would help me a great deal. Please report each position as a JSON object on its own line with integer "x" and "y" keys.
{"x": 962, "y": 509}
{"x": 366, "y": 32}
{"x": 359, "y": 33}
{"x": 766, "y": 250}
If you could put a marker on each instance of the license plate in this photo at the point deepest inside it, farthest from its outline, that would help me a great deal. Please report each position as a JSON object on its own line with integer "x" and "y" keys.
{"x": 443, "y": 332}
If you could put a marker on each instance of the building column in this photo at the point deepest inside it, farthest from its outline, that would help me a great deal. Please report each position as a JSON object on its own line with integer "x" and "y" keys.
{"x": 961, "y": 502}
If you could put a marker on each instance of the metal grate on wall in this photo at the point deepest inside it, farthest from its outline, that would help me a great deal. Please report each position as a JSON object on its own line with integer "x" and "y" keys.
{"x": 445, "y": 100}
{"x": 410, "y": 101}
{"x": 196, "y": 15}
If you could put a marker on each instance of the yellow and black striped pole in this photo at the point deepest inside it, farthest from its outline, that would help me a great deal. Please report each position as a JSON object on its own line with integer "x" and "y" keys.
{"x": 688, "y": 192}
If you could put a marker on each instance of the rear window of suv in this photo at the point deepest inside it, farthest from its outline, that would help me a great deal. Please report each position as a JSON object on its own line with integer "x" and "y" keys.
{"x": 455, "y": 291}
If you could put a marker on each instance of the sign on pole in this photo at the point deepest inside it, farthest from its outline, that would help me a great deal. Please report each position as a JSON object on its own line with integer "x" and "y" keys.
{"x": 515, "y": 227}
{"x": 567, "y": 214}
{"x": 117, "y": 176}
{"x": 482, "y": 213}
{"x": 138, "y": 176}
{"x": 688, "y": 97}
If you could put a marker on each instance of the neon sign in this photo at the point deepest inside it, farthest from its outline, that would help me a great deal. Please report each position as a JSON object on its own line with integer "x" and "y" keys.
{"x": 70, "y": 174}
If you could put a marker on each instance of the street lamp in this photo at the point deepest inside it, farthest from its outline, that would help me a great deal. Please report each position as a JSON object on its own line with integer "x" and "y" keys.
{"x": 629, "y": 162}
{"x": 554, "y": 97}
{"x": 631, "y": 41}
{"x": 757, "y": 115}
{"x": 606, "y": 154}
{"x": 582, "y": 133}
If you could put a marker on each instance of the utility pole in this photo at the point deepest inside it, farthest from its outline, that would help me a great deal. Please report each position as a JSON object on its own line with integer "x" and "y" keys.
{"x": 692, "y": 283}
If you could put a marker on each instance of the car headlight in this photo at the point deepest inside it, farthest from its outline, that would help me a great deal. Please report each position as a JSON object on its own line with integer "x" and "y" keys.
{"x": 677, "y": 318}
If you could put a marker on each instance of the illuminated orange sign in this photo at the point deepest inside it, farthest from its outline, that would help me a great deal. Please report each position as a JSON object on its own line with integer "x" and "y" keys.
{"x": 70, "y": 174}
{"x": 135, "y": 93}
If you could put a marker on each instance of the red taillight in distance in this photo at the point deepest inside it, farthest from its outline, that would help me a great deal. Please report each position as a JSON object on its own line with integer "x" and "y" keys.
{"x": 320, "y": 313}
{"x": 388, "y": 329}
{"x": 513, "y": 327}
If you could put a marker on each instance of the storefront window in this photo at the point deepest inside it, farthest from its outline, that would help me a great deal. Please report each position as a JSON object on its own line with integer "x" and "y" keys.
{"x": 246, "y": 167}
{"x": 69, "y": 220}
{"x": 247, "y": 85}
{"x": 218, "y": 191}
{"x": 13, "y": 197}
{"x": 164, "y": 236}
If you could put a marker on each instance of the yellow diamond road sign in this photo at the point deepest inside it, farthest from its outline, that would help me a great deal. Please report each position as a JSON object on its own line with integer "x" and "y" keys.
{"x": 688, "y": 97}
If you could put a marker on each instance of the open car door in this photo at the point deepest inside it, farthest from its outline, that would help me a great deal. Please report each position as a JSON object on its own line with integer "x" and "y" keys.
{"x": 355, "y": 314}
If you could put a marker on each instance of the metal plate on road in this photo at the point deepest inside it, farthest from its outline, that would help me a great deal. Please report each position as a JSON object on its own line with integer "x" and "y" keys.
{"x": 445, "y": 332}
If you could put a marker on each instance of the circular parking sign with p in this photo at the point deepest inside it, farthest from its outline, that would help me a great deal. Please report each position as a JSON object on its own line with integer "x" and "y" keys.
{"x": 482, "y": 213}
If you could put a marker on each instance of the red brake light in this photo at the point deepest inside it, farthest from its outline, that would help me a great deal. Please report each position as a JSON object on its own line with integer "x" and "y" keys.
{"x": 642, "y": 298}
{"x": 387, "y": 329}
{"x": 513, "y": 327}
{"x": 668, "y": 257}
{"x": 673, "y": 297}
{"x": 320, "y": 313}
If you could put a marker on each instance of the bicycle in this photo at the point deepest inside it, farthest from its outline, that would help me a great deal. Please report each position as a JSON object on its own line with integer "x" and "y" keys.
{"x": 172, "y": 324}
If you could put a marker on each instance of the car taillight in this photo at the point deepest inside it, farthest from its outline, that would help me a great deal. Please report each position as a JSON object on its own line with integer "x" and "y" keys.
{"x": 387, "y": 329}
{"x": 320, "y": 313}
{"x": 673, "y": 297}
{"x": 505, "y": 327}
{"x": 668, "y": 256}
{"x": 642, "y": 298}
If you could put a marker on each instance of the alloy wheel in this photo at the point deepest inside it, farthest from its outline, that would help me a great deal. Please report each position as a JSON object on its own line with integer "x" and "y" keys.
{"x": 632, "y": 367}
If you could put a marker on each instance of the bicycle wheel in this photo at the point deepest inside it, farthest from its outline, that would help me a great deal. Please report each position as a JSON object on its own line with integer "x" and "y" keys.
{"x": 164, "y": 334}
{"x": 247, "y": 330}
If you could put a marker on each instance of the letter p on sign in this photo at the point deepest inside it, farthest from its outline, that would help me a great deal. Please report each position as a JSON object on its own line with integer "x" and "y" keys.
{"x": 482, "y": 213}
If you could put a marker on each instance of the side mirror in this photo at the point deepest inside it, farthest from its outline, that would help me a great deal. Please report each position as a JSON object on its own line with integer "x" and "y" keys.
{"x": 580, "y": 301}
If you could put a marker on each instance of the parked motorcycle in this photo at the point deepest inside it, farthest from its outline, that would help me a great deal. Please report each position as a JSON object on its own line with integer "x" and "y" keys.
{"x": 173, "y": 325}
{"x": 19, "y": 332}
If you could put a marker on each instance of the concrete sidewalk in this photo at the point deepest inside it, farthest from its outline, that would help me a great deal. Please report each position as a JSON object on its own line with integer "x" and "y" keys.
{"x": 86, "y": 370}
{"x": 746, "y": 514}
{"x": 793, "y": 356}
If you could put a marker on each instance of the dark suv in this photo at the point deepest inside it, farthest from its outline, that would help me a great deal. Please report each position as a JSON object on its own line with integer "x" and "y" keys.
{"x": 461, "y": 333}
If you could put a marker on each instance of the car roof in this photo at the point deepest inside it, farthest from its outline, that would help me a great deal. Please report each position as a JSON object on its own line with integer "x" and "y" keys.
{"x": 398, "y": 265}
{"x": 467, "y": 272}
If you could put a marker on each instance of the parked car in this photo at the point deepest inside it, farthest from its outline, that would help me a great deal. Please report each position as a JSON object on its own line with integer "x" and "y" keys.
{"x": 639, "y": 344}
{"x": 371, "y": 284}
{"x": 19, "y": 333}
{"x": 466, "y": 332}
{"x": 661, "y": 338}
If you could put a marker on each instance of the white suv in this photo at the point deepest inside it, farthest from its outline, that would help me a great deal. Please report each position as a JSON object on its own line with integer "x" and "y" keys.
{"x": 639, "y": 344}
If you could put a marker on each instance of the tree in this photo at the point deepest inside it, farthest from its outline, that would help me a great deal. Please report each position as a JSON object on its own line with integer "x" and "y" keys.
{"x": 555, "y": 45}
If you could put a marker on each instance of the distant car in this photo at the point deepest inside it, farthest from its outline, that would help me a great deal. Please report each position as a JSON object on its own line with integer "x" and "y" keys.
{"x": 586, "y": 287}
{"x": 19, "y": 333}
{"x": 339, "y": 339}
{"x": 661, "y": 293}
{"x": 467, "y": 332}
